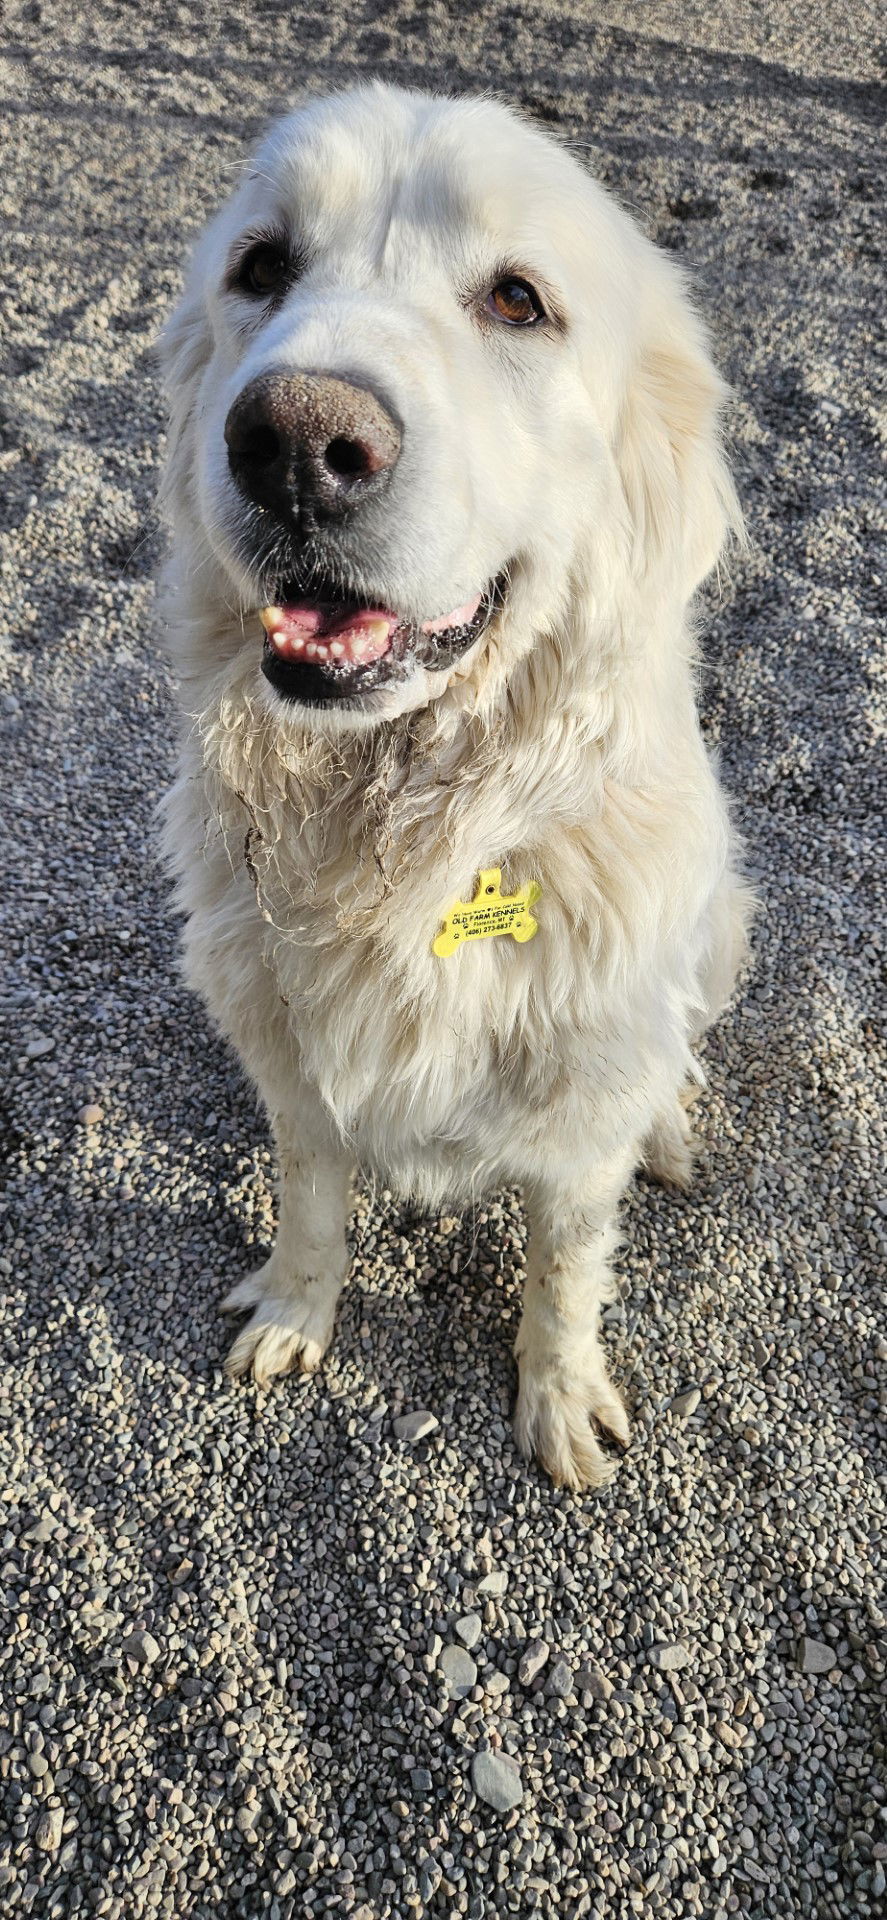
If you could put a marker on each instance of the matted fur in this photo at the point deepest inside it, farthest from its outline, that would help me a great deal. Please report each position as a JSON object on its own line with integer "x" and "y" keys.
{"x": 317, "y": 855}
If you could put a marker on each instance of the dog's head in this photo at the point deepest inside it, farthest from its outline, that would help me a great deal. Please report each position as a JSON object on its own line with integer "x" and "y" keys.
{"x": 428, "y": 383}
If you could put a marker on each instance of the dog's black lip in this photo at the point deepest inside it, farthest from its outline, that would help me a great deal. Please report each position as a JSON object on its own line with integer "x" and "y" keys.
{"x": 311, "y": 685}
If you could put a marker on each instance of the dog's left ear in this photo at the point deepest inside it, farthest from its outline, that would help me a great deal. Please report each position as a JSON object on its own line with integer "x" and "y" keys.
{"x": 681, "y": 501}
{"x": 182, "y": 351}
{"x": 184, "y": 344}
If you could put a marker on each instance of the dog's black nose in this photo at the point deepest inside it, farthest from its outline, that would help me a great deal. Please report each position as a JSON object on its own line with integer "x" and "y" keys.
{"x": 309, "y": 444}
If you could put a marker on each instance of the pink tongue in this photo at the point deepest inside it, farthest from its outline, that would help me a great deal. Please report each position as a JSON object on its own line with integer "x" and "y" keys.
{"x": 458, "y": 618}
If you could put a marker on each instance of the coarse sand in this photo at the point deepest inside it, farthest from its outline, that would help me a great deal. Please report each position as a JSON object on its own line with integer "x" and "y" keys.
{"x": 268, "y": 1654}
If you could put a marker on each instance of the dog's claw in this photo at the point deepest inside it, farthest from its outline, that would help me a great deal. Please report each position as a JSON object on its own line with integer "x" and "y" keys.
{"x": 288, "y": 1330}
{"x": 553, "y": 1423}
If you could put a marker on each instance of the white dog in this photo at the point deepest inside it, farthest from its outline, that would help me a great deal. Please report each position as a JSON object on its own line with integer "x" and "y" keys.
{"x": 443, "y": 475}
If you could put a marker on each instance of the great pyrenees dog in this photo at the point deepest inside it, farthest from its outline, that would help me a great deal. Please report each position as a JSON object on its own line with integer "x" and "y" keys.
{"x": 443, "y": 474}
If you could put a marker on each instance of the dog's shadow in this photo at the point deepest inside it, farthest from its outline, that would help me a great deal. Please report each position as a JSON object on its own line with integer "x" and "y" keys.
{"x": 430, "y": 1313}
{"x": 180, "y": 1207}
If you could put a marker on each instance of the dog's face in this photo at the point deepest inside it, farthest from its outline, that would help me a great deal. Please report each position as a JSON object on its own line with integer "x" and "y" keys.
{"x": 424, "y": 374}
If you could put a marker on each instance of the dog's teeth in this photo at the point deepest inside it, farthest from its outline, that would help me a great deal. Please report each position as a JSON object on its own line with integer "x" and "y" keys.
{"x": 376, "y": 632}
{"x": 271, "y": 618}
{"x": 336, "y": 649}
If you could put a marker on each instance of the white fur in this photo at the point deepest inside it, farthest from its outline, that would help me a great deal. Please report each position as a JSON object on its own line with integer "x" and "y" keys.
{"x": 318, "y": 855}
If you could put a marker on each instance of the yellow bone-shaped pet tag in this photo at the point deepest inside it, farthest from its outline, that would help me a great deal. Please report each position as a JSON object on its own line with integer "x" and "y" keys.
{"x": 488, "y": 913}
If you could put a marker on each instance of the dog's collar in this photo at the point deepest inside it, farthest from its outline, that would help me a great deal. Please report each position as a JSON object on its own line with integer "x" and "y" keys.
{"x": 490, "y": 912}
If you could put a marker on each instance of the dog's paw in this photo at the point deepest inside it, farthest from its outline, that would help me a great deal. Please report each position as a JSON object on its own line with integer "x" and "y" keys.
{"x": 285, "y": 1330}
{"x": 670, "y": 1149}
{"x": 553, "y": 1424}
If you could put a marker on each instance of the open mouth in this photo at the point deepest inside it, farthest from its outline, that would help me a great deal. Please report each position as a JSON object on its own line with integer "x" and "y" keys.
{"x": 321, "y": 646}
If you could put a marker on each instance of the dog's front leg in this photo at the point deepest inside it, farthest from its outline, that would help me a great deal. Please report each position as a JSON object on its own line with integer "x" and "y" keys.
{"x": 564, "y": 1385}
{"x": 292, "y": 1298}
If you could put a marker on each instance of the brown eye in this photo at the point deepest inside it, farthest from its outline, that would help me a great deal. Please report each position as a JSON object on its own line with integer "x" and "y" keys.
{"x": 516, "y": 302}
{"x": 265, "y": 270}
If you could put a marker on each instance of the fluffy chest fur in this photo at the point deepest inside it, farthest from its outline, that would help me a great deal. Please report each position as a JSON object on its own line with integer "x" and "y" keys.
{"x": 344, "y": 856}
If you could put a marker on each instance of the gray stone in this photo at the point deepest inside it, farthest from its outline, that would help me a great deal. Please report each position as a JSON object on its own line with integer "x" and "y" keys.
{"x": 141, "y": 1647}
{"x": 493, "y": 1585}
{"x": 458, "y": 1669}
{"x": 559, "y": 1682}
{"x": 42, "y": 1531}
{"x": 591, "y": 1680}
{"x": 469, "y": 1629}
{"x": 813, "y": 1656}
{"x": 496, "y": 1779}
{"x": 495, "y": 1682}
{"x": 685, "y": 1404}
{"x": 39, "y": 1048}
{"x": 415, "y": 1425}
{"x": 429, "y": 1879}
{"x": 49, "y": 1831}
{"x": 532, "y": 1661}
{"x": 670, "y": 1658}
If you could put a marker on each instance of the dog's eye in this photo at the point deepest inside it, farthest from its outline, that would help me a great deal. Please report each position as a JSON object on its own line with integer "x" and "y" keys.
{"x": 515, "y": 302}
{"x": 264, "y": 270}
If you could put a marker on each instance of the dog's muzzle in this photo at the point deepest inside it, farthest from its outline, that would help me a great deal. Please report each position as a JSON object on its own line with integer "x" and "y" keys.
{"x": 308, "y": 449}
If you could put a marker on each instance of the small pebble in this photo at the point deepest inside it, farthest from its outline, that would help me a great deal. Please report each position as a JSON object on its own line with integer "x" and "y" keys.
{"x": 495, "y": 1682}
{"x": 559, "y": 1681}
{"x": 670, "y": 1658}
{"x": 42, "y": 1531}
{"x": 532, "y": 1661}
{"x": 591, "y": 1680}
{"x": 49, "y": 1831}
{"x": 141, "y": 1647}
{"x": 458, "y": 1669}
{"x": 493, "y": 1585}
{"x": 813, "y": 1656}
{"x": 414, "y": 1426}
{"x": 496, "y": 1779}
{"x": 469, "y": 1629}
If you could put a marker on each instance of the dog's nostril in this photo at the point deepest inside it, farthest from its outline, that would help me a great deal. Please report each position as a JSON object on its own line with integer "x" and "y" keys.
{"x": 260, "y": 445}
{"x": 348, "y": 458}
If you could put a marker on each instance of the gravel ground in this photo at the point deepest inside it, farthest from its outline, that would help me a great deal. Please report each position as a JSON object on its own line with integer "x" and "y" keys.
{"x": 267, "y": 1655}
